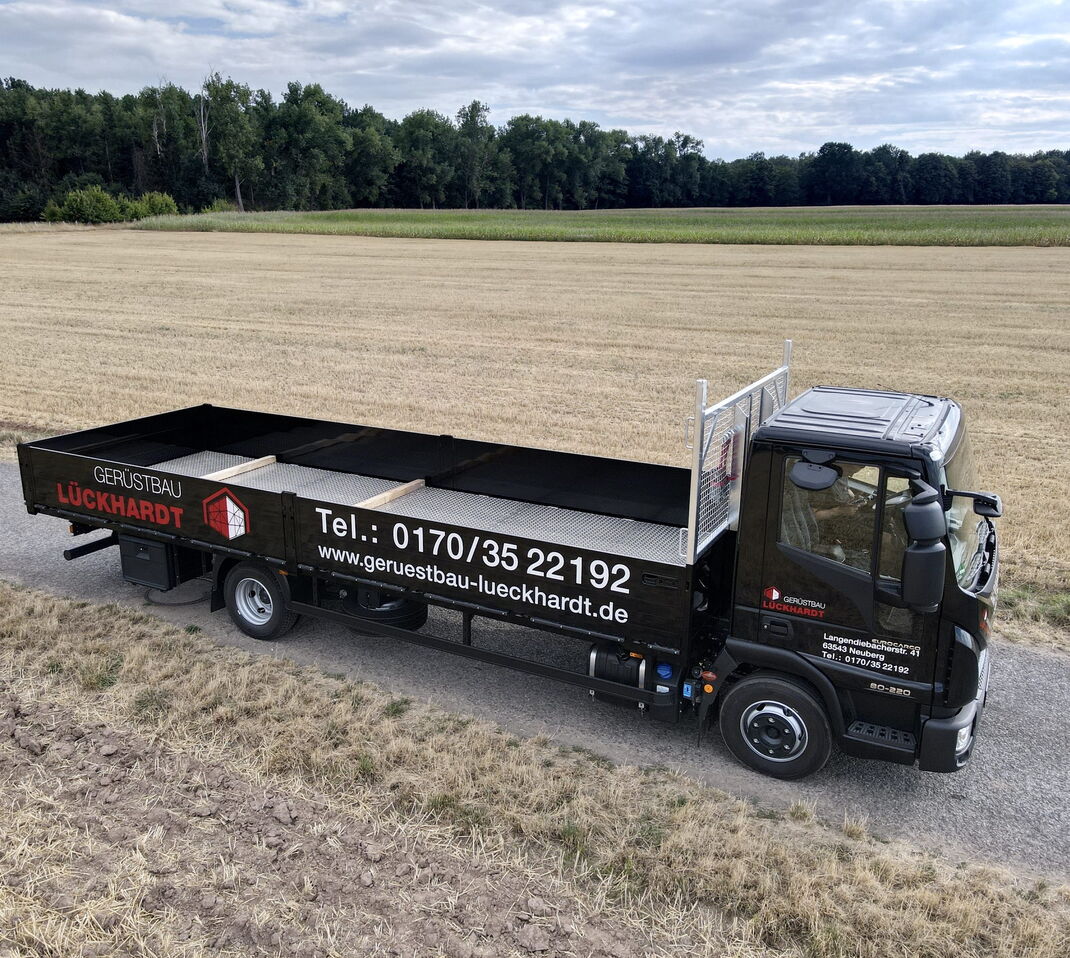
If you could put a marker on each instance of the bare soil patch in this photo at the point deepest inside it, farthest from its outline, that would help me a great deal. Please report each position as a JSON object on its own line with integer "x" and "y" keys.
{"x": 119, "y": 845}
{"x": 587, "y": 347}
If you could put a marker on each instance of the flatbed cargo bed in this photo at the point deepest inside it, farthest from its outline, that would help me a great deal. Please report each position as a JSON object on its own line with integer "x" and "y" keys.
{"x": 532, "y": 520}
{"x": 600, "y": 547}
{"x": 595, "y": 545}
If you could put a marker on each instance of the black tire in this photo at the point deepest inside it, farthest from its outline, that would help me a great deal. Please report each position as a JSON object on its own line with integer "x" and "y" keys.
{"x": 382, "y": 608}
{"x": 258, "y": 601}
{"x": 776, "y": 725}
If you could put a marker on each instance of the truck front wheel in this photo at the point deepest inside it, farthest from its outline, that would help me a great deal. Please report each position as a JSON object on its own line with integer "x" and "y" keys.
{"x": 776, "y": 726}
{"x": 257, "y": 601}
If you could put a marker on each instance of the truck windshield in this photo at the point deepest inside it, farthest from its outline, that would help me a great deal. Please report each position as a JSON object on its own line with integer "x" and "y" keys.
{"x": 967, "y": 530}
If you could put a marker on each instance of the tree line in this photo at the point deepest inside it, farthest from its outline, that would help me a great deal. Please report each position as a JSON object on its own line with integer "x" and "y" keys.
{"x": 309, "y": 150}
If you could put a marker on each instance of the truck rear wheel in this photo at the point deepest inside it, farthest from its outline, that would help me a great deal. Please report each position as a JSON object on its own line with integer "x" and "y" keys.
{"x": 382, "y": 608}
{"x": 777, "y": 726}
{"x": 257, "y": 601}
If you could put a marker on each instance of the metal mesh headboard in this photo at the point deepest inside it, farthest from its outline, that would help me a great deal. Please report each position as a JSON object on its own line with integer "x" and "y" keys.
{"x": 721, "y": 437}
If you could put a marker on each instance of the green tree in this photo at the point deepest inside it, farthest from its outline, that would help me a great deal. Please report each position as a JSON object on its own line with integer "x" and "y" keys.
{"x": 884, "y": 175}
{"x": 1043, "y": 181}
{"x": 834, "y": 175}
{"x": 757, "y": 181}
{"x": 372, "y": 156}
{"x": 427, "y": 145}
{"x": 966, "y": 179}
{"x": 935, "y": 179}
{"x": 786, "y": 189}
{"x": 235, "y": 141}
{"x": 651, "y": 171}
{"x": 993, "y": 177}
{"x": 525, "y": 137}
{"x": 306, "y": 146}
{"x": 685, "y": 172}
{"x": 612, "y": 188}
{"x": 477, "y": 152}
{"x": 717, "y": 184}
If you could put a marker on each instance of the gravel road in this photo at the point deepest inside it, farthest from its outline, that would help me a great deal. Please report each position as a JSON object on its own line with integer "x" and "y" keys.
{"x": 1010, "y": 805}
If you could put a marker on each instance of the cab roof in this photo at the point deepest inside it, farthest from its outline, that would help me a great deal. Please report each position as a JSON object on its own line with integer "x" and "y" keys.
{"x": 860, "y": 418}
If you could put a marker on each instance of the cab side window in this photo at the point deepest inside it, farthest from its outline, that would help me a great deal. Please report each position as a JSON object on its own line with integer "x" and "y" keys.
{"x": 891, "y": 619}
{"x": 837, "y": 523}
{"x": 893, "y": 543}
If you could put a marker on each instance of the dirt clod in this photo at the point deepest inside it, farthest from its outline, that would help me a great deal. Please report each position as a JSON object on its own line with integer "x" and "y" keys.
{"x": 533, "y": 938}
{"x": 32, "y": 745}
{"x": 283, "y": 813}
{"x": 538, "y": 906}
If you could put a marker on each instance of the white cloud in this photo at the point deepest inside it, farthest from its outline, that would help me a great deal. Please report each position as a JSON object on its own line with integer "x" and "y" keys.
{"x": 744, "y": 75}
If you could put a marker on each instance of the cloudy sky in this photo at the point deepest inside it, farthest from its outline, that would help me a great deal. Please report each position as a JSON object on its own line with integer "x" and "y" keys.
{"x": 744, "y": 75}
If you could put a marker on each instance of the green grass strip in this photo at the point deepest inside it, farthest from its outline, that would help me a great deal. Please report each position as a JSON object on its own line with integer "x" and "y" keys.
{"x": 837, "y": 226}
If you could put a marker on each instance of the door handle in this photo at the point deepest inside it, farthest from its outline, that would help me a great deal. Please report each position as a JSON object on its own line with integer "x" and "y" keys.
{"x": 774, "y": 628}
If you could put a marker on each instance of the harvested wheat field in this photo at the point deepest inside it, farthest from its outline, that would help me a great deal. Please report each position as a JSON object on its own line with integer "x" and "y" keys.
{"x": 588, "y": 347}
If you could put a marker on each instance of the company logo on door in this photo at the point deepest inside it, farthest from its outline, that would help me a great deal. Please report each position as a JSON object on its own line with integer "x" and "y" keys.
{"x": 225, "y": 513}
{"x": 774, "y": 601}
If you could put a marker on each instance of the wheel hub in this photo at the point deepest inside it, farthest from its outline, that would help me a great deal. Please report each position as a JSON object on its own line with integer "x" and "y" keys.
{"x": 774, "y": 731}
{"x": 253, "y": 601}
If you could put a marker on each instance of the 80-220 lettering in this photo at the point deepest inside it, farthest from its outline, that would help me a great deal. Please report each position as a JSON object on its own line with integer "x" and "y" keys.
{"x": 506, "y": 555}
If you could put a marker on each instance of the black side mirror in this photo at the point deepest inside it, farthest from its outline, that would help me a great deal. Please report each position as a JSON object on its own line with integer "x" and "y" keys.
{"x": 812, "y": 475}
{"x": 924, "y": 515}
{"x": 924, "y": 561}
{"x": 923, "y": 576}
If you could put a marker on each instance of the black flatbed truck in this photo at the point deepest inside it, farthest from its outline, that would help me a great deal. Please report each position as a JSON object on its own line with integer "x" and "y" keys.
{"x": 821, "y": 575}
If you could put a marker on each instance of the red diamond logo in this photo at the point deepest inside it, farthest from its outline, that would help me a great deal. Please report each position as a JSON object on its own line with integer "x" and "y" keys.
{"x": 225, "y": 513}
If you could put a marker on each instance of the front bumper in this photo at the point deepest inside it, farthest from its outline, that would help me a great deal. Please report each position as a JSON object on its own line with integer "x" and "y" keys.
{"x": 941, "y": 747}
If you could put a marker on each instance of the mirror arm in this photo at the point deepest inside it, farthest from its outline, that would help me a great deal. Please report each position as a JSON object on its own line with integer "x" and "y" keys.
{"x": 923, "y": 492}
{"x": 970, "y": 495}
{"x": 986, "y": 500}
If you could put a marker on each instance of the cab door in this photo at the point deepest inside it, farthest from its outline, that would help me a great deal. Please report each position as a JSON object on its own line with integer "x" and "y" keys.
{"x": 830, "y": 577}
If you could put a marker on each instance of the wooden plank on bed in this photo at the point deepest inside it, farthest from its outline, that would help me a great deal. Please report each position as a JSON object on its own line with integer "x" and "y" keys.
{"x": 241, "y": 467}
{"x": 377, "y": 502}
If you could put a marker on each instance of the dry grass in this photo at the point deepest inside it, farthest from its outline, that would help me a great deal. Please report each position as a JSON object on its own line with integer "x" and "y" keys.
{"x": 590, "y": 347}
{"x": 45, "y": 227}
{"x": 700, "y": 871}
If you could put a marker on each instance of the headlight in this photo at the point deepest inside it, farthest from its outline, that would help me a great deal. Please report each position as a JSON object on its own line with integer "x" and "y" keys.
{"x": 962, "y": 739}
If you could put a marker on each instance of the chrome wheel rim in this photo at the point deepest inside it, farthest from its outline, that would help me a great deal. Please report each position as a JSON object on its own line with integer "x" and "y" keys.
{"x": 773, "y": 730}
{"x": 253, "y": 601}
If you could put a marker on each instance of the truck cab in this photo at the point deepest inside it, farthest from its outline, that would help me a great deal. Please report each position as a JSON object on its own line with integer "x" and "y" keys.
{"x": 866, "y": 571}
